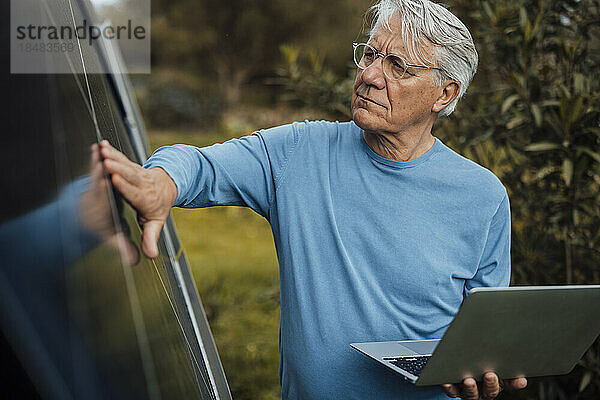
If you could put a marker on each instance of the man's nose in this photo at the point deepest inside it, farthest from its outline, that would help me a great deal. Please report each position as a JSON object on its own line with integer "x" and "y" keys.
{"x": 373, "y": 75}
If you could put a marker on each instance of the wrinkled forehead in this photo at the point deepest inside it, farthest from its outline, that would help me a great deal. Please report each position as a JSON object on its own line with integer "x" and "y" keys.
{"x": 387, "y": 38}
{"x": 392, "y": 36}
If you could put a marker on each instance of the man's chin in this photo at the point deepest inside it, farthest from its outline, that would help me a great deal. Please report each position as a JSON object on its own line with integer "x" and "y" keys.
{"x": 362, "y": 118}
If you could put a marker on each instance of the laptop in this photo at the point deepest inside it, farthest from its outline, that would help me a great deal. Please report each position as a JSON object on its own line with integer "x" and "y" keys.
{"x": 514, "y": 331}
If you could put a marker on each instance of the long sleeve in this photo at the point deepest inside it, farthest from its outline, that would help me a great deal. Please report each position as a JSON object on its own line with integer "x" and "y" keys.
{"x": 50, "y": 236}
{"x": 494, "y": 267}
{"x": 243, "y": 172}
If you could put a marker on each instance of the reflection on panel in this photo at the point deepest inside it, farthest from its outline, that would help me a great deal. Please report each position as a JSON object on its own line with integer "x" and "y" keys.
{"x": 85, "y": 315}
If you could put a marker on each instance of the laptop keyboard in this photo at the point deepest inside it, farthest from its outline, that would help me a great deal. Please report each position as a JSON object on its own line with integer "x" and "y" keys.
{"x": 411, "y": 364}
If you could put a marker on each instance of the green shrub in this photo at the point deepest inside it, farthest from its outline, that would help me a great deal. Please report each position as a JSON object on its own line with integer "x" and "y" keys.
{"x": 306, "y": 81}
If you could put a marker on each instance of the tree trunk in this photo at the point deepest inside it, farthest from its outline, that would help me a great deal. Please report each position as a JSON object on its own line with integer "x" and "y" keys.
{"x": 568, "y": 255}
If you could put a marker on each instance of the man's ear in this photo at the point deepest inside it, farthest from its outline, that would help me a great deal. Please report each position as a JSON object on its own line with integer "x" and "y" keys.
{"x": 450, "y": 91}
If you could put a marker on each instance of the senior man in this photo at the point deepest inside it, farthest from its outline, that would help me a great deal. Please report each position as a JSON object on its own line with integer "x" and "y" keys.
{"x": 380, "y": 229}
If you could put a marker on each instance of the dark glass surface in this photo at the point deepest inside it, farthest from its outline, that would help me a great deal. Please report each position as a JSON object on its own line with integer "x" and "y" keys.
{"x": 83, "y": 315}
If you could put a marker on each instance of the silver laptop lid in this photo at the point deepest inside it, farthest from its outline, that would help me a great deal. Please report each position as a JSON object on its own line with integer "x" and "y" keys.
{"x": 517, "y": 331}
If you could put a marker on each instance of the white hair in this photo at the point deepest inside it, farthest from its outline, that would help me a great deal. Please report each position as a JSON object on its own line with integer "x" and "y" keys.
{"x": 422, "y": 21}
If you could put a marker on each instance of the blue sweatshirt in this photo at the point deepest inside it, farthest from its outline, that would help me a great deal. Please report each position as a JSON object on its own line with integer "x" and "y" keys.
{"x": 369, "y": 249}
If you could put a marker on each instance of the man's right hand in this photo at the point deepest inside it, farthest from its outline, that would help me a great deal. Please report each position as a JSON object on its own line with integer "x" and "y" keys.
{"x": 151, "y": 192}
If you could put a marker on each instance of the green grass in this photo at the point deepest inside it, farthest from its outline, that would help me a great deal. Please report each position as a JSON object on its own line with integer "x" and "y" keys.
{"x": 232, "y": 257}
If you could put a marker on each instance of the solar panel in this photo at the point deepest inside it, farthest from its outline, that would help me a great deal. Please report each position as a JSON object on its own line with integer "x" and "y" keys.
{"x": 82, "y": 321}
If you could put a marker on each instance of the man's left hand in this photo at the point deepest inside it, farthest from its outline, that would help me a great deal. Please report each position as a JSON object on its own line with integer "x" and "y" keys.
{"x": 489, "y": 388}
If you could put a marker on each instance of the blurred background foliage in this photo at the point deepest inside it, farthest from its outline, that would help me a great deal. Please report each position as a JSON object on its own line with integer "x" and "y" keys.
{"x": 532, "y": 115}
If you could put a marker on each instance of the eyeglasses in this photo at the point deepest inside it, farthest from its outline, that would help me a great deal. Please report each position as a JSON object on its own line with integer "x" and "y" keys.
{"x": 394, "y": 67}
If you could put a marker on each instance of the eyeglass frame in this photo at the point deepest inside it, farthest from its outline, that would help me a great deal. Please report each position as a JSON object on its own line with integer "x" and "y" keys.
{"x": 383, "y": 57}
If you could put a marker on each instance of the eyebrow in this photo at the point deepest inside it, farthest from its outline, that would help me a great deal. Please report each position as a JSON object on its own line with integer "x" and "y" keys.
{"x": 377, "y": 45}
{"x": 374, "y": 43}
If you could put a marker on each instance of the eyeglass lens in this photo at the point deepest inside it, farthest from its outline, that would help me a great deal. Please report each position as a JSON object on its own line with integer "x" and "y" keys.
{"x": 394, "y": 67}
